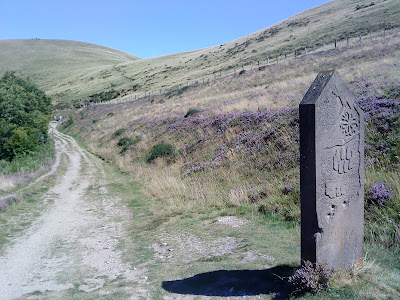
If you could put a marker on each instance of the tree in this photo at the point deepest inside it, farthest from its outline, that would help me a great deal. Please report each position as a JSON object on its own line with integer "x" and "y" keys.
{"x": 24, "y": 115}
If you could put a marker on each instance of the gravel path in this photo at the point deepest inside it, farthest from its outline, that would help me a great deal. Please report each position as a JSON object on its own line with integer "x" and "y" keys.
{"x": 74, "y": 240}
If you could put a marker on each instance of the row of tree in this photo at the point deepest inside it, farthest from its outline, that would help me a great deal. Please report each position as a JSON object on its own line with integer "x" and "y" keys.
{"x": 24, "y": 115}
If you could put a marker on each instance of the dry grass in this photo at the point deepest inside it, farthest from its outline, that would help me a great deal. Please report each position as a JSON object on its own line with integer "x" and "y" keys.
{"x": 276, "y": 87}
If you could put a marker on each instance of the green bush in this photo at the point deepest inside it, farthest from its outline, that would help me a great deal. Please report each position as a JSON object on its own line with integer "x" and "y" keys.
{"x": 242, "y": 72}
{"x": 95, "y": 121}
{"x": 125, "y": 141}
{"x": 68, "y": 123}
{"x": 24, "y": 116}
{"x": 192, "y": 112}
{"x": 161, "y": 150}
{"x": 118, "y": 132}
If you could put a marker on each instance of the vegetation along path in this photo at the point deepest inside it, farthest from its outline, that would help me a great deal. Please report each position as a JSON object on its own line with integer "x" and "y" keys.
{"x": 72, "y": 243}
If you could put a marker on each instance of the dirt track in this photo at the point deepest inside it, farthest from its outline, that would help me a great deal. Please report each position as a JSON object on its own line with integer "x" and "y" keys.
{"x": 72, "y": 244}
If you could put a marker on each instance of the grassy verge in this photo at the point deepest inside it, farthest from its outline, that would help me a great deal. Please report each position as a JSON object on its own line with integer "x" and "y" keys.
{"x": 22, "y": 169}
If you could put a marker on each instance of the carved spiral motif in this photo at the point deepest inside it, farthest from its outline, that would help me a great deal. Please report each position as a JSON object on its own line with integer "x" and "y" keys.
{"x": 349, "y": 123}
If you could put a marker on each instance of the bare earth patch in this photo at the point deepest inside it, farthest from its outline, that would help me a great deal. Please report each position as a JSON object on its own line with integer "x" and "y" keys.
{"x": 232, "y": 221}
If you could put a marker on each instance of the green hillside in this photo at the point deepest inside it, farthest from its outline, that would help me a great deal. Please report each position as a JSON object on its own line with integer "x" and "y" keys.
{"x": 53, "y": 68}
{"x": 55, "y": 64}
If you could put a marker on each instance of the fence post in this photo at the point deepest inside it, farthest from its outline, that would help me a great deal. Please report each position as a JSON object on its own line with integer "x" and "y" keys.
{"x": 251, "y": 66}
{"x": 360, "y": 38}
{"x": 295, "y": 53}
{"x": 276, "y": 58}
{"x": 305, "y": 50}
{"x": 203, "y": 80}
{"x": 370, "y": 35}
{"x": 208, "y": 79}
{"x": 258, "y": 63}
{"x": 384, "y": 34}
{"x": 315, "y": 48}
{"x": 285, "y": 55}
{"x": 324, "y": 45}
{"x": 335, "y": 43}
{"x": 268, "y": 61}
{"x": 215, "y": 77}
{"x": 347, "y": 41}
{"x": 242, "y": 67}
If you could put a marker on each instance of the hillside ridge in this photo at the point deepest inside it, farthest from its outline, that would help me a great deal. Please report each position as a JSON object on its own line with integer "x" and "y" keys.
{"x": 322, "y": 24}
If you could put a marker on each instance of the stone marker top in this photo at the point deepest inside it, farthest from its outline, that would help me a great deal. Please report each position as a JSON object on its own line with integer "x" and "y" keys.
{"x": 317, "y": 87}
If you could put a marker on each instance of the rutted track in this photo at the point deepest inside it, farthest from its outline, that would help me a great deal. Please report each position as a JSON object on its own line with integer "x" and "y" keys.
{"x": 73, "y": 242}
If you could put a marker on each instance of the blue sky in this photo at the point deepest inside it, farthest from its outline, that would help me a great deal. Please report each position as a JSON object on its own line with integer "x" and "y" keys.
{"x": 146, "y": 28}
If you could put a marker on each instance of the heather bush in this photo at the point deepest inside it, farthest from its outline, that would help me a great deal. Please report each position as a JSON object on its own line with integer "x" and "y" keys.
{"x": 311, "y": 277}
{"x": 379, "y": 193}
{"x": 161, "y": 150}
{"x": 382, "y": 117}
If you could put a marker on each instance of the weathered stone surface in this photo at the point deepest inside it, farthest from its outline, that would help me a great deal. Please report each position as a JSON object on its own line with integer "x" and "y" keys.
{"x": 331, "y": 173}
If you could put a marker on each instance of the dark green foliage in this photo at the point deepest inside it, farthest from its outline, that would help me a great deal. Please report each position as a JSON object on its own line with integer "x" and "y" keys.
{"x": 176, "y": 92}
{"x": 95, "y": 121}
{"x": 242, "y": 72}
{"x": 161, "y": 150}
{"x": 126, "y": 142}
{"x": 192, "y": 112}
{"x": 104, "y": 96}
{"x": 68, "y": 123}
{"x": 118, "y": 132}
{"x": 24, "y": 116}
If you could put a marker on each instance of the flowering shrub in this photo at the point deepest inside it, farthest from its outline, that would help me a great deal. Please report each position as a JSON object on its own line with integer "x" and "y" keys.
{"x": 379, "y": 193}
{"x": 311, "y": 277}
{"x": 382, "y": 135}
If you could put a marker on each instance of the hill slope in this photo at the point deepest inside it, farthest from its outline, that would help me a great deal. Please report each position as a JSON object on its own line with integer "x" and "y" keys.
{"x": 53, "y": 64}
{"x": 323, "y": 24}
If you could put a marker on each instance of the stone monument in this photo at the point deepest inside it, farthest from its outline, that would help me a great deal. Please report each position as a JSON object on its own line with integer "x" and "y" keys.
{"x": 331, "y": 174}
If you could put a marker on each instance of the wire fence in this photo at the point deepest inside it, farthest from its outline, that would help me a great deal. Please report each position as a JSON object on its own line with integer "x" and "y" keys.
{"x": 254, "y": 65}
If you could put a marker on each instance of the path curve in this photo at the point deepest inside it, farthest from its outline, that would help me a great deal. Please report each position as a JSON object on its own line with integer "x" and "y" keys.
{"x": 74, "y": 240}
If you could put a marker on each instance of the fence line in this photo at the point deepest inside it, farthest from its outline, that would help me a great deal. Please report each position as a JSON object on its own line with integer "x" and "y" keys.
{"x": 232, "y": 70}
